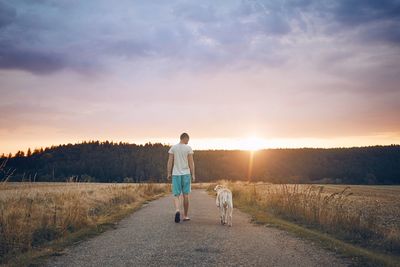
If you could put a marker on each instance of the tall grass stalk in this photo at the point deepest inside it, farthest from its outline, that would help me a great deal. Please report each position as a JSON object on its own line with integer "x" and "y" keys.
{"x": 311, "y": 205}
{"x": 34, "y": 214}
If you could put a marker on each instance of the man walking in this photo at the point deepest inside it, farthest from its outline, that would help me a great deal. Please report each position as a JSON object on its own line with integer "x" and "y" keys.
{"x": 181, "y": 168}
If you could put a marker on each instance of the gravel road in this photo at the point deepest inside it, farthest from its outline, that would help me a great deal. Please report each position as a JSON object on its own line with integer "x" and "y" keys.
{"x": 150, "y": 237}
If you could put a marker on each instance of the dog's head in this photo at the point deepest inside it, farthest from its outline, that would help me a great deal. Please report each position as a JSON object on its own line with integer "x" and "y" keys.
{"x": 218, "y": 187}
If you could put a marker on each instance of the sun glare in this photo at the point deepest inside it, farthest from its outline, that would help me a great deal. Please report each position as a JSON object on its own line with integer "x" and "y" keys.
{"x": 252, "y": 143}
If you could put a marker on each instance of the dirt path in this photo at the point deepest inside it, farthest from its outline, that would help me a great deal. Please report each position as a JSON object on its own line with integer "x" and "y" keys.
{"x": 150, "y": 237}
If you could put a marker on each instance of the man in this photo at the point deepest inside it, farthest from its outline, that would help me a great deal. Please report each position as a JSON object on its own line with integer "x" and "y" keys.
{"x": 181, "y": 168}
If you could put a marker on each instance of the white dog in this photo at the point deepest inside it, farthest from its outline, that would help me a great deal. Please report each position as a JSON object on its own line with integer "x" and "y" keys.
{"x": 225, "y": 203}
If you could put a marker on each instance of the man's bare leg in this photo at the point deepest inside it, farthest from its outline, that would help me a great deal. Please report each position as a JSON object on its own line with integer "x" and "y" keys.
{"x": 185, "y": 205}
{"x": 177, "y": 203}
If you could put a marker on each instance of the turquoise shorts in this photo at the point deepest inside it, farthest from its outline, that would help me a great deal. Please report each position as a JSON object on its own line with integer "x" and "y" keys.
{"x": 181, "y": 184}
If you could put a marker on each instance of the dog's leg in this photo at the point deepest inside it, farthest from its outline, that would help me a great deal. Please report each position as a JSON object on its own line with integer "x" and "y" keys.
{"x": 218, "y": 203}
{"x": 225, "y": 217}
{"x": 221, "y": 213}
{"x": 225, "y": 213}
{"x": 230, "y": 209}
{"x": 230, "y": 216}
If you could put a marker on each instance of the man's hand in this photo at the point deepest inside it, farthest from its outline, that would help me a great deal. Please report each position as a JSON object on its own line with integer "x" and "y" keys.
{"x": 193, "y": 178}
{"x": 169, "y": 177}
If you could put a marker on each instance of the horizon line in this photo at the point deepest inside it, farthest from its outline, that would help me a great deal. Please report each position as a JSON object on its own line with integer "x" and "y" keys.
{"x": 198, "y": 149}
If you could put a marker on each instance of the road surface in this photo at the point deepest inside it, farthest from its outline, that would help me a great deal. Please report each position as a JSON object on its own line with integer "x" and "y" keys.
{"x": 150, "y": 237}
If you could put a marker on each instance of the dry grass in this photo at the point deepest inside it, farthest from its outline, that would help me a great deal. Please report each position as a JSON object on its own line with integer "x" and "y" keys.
{"x": 200, "y": 185}
{"x": 365, "y": 215}
{"x": 32, "y": 214}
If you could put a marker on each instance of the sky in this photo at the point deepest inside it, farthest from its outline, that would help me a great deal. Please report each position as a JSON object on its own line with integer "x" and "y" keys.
{"x": 233, "y": 74}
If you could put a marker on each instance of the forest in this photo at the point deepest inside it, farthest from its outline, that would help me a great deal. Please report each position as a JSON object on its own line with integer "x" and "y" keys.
{"x": 95, "y": 161}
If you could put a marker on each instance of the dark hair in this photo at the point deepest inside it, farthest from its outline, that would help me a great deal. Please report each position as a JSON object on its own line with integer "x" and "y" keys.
{"x": 184, "y": 135}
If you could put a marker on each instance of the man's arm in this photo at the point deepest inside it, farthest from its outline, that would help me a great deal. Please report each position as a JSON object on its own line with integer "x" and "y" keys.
{"x": 169, "y": 165}
{"x": 191, "y": 166}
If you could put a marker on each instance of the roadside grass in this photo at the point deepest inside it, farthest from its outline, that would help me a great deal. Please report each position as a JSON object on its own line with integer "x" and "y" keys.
{"x": 38, "y": 220}
{"x": 329, "y": 219}
{"x": 200, "y": 185}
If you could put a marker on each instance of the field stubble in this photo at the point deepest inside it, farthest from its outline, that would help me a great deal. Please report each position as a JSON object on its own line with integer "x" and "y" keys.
{"x": 33, "y": 214}
{"x": 365, "y": 215}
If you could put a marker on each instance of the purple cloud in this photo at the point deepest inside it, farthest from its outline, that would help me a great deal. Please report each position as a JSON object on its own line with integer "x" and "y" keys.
{"x": 285, "y": 68}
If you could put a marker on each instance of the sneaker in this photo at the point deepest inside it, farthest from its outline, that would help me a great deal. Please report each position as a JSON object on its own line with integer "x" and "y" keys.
{"x": 177, "y": 217}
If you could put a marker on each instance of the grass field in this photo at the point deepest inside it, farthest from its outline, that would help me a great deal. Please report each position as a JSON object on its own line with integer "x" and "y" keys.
{"x": 38, "y": 216}
{"x": 35, "y": 214}
{"x": 382, "y": 202}
{"x": 365, "y": 216}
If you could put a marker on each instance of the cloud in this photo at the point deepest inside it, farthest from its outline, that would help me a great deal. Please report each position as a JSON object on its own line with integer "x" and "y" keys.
{"x": 365, "y": 21}
{"x": 196, "y": 12}
{"x": 291, "y": 68}
{"x": 357, "y": 12}
{"x": 44, "y": 37}
{"x": 53, "y": 36}
{"x": 38, "y": 62}
{"x": 7, "y": 14}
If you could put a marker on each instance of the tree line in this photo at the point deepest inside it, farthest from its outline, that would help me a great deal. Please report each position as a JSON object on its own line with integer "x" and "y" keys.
{"x": 96, "y": 161}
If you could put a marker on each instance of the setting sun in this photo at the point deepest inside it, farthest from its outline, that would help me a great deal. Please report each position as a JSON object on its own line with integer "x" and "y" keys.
{"x": 252, "y": 143}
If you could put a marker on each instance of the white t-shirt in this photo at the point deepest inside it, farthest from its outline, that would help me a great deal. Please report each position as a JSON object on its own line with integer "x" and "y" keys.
{"x": 181, "y": 162}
